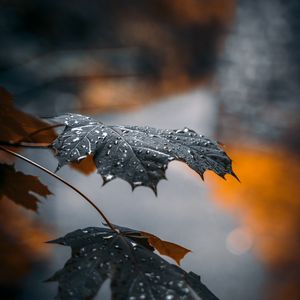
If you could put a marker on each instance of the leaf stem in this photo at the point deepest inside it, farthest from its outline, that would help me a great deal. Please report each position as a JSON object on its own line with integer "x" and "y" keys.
{"x": 63, "y": 181}
{"x": 25, "y": 144}
{"x": 30, "y": 134}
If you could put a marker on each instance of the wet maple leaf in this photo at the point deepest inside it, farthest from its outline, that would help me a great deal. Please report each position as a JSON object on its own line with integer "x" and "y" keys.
{"x": 135, "y": 271}
{"x": 21, "y": 188}
{"x": 139, "y": 155}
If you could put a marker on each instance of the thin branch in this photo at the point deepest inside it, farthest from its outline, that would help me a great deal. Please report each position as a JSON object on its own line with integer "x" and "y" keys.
{"x": 23, "y": 139}
{"x": 63, "y": 181}
{"x": 25, "y": 144}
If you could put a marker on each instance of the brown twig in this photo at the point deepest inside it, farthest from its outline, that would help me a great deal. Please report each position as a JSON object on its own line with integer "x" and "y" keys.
{"x": 25, "y": 144}
{"x": 63, "y": 181}
{"x": 23, "y": 139}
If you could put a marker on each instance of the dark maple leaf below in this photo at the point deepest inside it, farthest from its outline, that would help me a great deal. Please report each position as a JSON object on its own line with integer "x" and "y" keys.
{"x": 172, "y": 250}
{"x": 21, "y": 188}
{"x": 135, "y": 271}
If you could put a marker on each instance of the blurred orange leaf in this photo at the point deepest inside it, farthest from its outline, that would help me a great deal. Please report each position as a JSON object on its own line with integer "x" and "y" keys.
{"x": 21, "y": 188}
{"x": 16, "y": 125}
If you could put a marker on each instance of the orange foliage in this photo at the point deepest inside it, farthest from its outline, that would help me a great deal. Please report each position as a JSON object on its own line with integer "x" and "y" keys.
{"x": 21, "y": 188}
{"x": 16, "y": 125}
{"x": 164, "y": 28}
{"x": 21, "y": 241}
{"x": 267, "y": 201}
{"x": 195, "y": 11}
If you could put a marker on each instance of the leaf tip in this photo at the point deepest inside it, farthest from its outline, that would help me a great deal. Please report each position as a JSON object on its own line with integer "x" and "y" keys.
{"x": 107, "y": 178}
{"x": 59, "y": 241}
{"x": 235, "y": 176}
{"x": 154, "y": 189}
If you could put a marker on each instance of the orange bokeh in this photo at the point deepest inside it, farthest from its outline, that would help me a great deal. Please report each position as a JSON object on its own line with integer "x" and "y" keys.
{"x": 267, "y": 204}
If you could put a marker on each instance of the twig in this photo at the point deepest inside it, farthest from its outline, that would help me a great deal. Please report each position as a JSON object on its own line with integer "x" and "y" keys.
{"x": 63, "y": 181}
{"x": 25, "y": 144}
{"x": 23, "y": 139}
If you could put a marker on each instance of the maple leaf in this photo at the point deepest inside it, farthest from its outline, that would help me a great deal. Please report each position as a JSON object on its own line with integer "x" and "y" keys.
{"x": 21, "y": 188}
{"x": 16, "y": 125}
{"x": 135, "y": 271}
{"x": 139, "y": 155}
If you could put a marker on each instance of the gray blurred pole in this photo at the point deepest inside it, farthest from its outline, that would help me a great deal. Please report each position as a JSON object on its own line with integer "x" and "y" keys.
{"x": 258, "y": 76}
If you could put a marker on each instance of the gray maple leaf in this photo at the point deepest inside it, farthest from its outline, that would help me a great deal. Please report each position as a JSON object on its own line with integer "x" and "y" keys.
{"x": 139, "y": 155}
{"x": 128, "y": 260}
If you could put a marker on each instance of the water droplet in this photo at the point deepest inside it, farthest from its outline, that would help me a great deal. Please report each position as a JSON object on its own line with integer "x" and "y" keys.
{"x": 108, "y": 177}
{"x": 169, "y": 297}
{"x": 142, "y": 296}
{"x": 115, "y": 142}
{"x": 108, "y": 237}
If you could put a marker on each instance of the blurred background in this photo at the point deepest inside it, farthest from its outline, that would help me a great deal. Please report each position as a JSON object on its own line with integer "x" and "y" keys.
{"x": 228, "y": 69}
